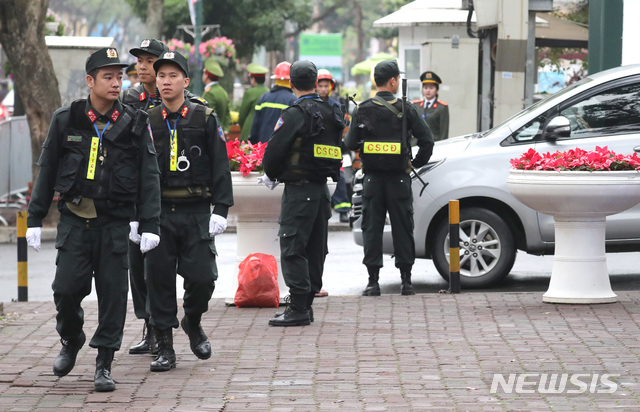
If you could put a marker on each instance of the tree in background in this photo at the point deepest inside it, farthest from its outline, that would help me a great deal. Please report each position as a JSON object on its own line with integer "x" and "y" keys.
{"x": 22, "y": 31}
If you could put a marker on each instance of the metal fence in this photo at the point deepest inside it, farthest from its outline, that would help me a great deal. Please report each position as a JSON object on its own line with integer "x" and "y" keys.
{"x": 15, "y": 159}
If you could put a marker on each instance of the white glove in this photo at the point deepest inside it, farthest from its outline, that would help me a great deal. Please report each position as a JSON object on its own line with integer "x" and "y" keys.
{"x": 148, "y": 241}
{"x": 34, "y": 234}
{"x": 134, "y": 236}
{"x": 217, "y": 225}
{"x": 271, "y": 184}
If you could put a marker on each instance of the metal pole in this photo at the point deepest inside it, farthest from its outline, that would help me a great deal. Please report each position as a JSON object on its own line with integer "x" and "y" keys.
{"x": 454, "y": 246}
{"x": 23, "y": 278}
{"x": 196, "y": 76}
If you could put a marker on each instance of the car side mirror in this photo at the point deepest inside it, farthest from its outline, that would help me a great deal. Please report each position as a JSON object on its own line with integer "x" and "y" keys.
{"x": 557, "y": 127}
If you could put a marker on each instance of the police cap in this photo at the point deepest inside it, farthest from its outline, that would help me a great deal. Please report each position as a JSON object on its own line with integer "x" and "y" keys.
{"x": 132, "y": 69}
{"x": 213, "y": 68}
{"x": 255, "y": 70}
{"x": 151, "y": 46}
{"x": 172, "y": 57}
{"x": 303, "y": 71}
{"x": 107, "y": 56}
{"x": 385, "y": 70}
{"x": 430, "y": 77}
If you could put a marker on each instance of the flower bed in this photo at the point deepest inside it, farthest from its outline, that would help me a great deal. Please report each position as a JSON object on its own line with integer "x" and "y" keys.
{"x": 600, "y": 159}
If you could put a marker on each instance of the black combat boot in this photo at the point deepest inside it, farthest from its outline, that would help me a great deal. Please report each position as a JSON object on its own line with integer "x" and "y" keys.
{"x": 198, "y": 341}
{"x": 166, "y": 359}
{"x": 148, "y": 343}
{"x": 372, "y": 289}
{"x": 66, "y": 360}
{"x": 287, "y": 301}
{"x": 102, "y": 380}
{"x": 296, "y": 314}
{"x": 407, "y": 286}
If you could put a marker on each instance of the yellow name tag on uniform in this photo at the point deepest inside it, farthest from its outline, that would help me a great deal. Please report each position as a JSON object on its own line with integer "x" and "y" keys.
{"x": 93, "y": 158}
{"x": 382, "y": 147}
{"x": 173, "y": 159}
{"x": 329, "y": 152}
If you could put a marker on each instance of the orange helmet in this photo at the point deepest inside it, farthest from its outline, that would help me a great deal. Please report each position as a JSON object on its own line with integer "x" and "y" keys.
{"x": 324, "y": 74}
{"x": 281, "y": 71}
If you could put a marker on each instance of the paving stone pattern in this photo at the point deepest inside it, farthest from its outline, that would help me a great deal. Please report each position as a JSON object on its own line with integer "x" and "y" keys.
{"x": 390, "y": 353}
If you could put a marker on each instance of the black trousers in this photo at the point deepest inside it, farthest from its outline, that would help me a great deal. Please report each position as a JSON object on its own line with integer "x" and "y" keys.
{"x": 382, "y": 193}
{"x": 87, "y": 253}
{"x": 304, "y": 223}
{"x": 139, "y": 292}
{"x": 185, "y": 248}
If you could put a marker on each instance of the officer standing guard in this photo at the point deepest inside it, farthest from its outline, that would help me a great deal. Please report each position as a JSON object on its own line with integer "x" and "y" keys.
{"x": 271, "y": 104}
{"x": 376, "y": 130}
{"x": 257, "y": 76}
{"x": 435, "y": 112}
{"x": 99, "y": 155}
{"x": 145, "y": 96}
{"x": 194, "y": 167}
{"x": 303, "y": 151}
{"x": 215, "y": 94}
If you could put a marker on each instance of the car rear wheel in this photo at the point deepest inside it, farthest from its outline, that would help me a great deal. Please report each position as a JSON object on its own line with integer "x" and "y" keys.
{"x": 487, "y": 249}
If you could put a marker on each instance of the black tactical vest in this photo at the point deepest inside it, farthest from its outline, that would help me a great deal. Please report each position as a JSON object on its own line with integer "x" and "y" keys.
{"x": 81, "y": 173}
{"x": 192, "y": 144}
{"x": 383, "y": 148}
{"x": 316, "y": 154}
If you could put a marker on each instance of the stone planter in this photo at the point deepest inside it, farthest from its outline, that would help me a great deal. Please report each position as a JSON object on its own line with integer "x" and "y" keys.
{"x": 579, "y": 203}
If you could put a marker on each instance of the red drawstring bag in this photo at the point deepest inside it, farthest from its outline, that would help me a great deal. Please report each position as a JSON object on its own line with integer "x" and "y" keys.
{"x": 258, "y": 282}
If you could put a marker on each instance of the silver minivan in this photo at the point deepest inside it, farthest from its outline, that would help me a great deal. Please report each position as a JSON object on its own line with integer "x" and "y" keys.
{"x": 602, "y": 110}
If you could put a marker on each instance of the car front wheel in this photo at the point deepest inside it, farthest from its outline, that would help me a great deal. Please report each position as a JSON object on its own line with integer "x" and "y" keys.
{"x": 487, "y": 249}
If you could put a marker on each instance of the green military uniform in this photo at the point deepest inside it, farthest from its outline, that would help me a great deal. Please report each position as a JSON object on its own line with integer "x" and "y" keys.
{"x": 387, "y": 183}
{"x": 436, "y": 115}
{"x": 291, "y": 157}
{"x": 99, "y": 163}
{"x": 249, "y": 100}
{"x": 216, "y": 95}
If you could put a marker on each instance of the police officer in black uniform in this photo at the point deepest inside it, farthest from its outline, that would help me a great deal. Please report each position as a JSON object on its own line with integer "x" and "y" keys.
{"x": 376, "y": 130}
{"x": 145, "y": 96}
{"x": 99, "y": 156}
{"x": 194, "y": 167}
{"x": 304, "y": 150}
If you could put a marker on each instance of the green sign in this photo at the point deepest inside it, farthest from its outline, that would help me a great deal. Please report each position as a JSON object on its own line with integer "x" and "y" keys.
{"x": 329, "y": 44}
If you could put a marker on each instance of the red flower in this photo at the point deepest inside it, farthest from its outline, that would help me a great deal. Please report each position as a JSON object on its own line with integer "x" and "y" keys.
{"x": 577, "y": 159}
{"x": 245, "y": 157}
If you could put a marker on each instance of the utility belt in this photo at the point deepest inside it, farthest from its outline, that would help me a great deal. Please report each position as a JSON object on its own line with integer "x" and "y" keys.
{"x": 100, "y": 222}
{"x": 203, "y": 206}
{"x": 181, "y": 192}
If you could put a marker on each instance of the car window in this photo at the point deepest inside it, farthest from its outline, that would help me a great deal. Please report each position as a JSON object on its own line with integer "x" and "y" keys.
{"x": 611, "y": 111}
{"x": 529, "y": 131}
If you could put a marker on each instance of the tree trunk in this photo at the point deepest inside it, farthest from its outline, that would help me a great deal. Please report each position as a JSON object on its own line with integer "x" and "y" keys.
{"x": 22, "y": 38}
{"x": 155, "y": 19}
{"x": 360, "y": 36}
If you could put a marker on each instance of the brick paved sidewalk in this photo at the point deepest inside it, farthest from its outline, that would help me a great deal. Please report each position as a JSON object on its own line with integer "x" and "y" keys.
{"x": 391, "y": 353}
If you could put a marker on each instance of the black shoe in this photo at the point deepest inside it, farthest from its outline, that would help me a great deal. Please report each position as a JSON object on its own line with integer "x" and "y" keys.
{"x": 102, "y": 380}
{"x": 66, "y": 359}
{"x": 407, "y": 286}
{"x": 291, "y": 317}
{"x": 166, "y": 359}
{"x": 198, "y": 341}
{"x": 371, "y": 290}
{"x": 344, "y": 218}
{"x": 280, "y": 314}
{"x": 148, "y": 343}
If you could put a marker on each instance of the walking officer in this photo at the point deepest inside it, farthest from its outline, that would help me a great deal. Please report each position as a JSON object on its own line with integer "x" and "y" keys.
{"x": 144, "y": 96}
{"x": 215, "y": 94}
{"x": 376, "y": 130}
{"x": 304, "y": 150}
{"x": 99, "y": 155}
{"x": 194, "y": 168}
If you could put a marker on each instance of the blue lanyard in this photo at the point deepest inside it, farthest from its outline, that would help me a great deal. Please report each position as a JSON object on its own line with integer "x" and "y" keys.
{"x": 103, "y": 130}
{"x": 172, "y": 132}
